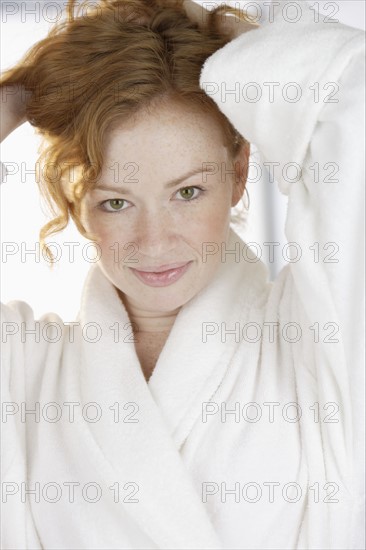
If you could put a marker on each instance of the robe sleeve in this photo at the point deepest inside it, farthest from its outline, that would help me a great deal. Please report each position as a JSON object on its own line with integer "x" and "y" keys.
{"x": 295, "y": 88}
{"x": 316, "y": 147}
{"x": 314, "y": 143}
{"x": 13, "y": 430}
{"x": 25, "y": 354}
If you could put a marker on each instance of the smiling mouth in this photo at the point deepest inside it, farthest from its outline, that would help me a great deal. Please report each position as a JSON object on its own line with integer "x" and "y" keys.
{"x": 163, "y": 275}
{"x": 162, "y": 268}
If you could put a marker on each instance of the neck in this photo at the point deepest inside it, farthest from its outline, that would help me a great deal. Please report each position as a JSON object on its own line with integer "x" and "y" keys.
{"x": 147, "y": 320}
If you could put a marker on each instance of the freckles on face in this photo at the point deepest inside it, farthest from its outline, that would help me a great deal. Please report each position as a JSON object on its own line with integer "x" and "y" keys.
{"x": 142, "y": 222}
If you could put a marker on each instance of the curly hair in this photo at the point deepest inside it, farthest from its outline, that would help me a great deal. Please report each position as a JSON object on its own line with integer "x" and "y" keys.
{"x": 94, "y": 70}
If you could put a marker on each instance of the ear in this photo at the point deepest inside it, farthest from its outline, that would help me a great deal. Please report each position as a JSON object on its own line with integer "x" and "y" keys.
{"x": 241, "y": 166}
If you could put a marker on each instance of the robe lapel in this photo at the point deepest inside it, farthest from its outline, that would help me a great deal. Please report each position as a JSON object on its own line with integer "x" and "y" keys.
{"x": 193, "y": 363}
{"x": 188, "y": 372}
{"x": 169, "y": 508}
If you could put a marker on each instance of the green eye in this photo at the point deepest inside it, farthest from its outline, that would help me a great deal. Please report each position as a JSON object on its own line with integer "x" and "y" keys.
{"x": 187, "y": 192}
{"x": 114, "y": 204}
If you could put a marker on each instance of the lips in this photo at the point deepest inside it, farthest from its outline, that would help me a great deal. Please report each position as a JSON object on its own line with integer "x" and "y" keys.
{"x": 163, "y": 275}
{"x": 161, "y": 268}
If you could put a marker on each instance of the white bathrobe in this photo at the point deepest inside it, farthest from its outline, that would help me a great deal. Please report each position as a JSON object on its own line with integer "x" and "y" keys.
{"x": 249, "y": 434}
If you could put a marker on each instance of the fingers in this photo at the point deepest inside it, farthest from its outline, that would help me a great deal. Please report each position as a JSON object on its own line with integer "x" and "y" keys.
{"x": 231, "y": 25}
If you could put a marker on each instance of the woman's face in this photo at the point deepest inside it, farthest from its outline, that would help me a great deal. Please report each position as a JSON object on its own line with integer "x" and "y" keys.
{"x": 155, "y": 221}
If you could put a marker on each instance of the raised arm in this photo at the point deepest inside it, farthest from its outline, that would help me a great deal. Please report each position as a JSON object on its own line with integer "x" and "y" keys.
{"x": 296, "y": 90}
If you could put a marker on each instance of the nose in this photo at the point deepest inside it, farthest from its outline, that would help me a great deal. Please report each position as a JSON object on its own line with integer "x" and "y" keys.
{"x": 155, "y": 233}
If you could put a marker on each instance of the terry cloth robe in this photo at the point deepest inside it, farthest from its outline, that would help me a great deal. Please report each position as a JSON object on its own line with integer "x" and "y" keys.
{"x": 249, "y": 434}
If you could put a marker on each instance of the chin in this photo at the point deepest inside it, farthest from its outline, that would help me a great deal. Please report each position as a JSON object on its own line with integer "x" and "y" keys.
{"x": 165, "y": 299}
{"x": 162, "y": 299}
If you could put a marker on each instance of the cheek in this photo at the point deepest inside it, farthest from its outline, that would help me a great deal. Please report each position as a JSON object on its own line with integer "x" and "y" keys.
{"x": 215, "y": 216}
{"x": 103, "y": 226}
{"x": 104, "y": 229}
{"x": 116, "y": 241}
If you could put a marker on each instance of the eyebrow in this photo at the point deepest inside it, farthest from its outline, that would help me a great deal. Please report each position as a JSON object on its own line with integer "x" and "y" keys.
{"x": 171, "y": 183}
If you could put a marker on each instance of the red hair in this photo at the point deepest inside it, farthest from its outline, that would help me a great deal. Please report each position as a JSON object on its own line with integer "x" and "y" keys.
{"x": 93, "y": 70}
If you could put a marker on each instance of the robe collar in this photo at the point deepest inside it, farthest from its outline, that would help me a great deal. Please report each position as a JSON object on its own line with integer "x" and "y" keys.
{"x": 188, "y": 372}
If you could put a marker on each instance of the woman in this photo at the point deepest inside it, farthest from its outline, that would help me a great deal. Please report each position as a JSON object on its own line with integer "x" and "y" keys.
{"x": 199, "y": 406}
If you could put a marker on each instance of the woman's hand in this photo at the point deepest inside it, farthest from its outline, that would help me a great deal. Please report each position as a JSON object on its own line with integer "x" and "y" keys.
{"x": 229, "y": 24}
{"x": 12, "y": 109}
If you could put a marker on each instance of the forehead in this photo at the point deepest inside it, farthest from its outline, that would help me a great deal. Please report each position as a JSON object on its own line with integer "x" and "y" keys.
{"x": 166, "y": 135}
